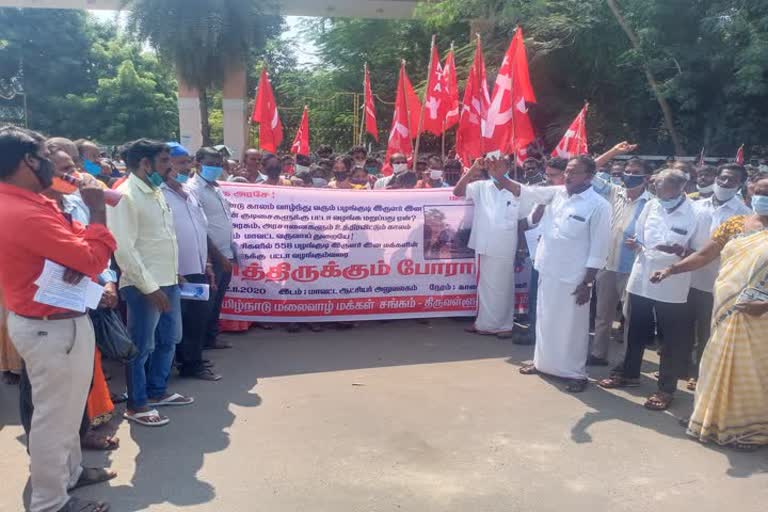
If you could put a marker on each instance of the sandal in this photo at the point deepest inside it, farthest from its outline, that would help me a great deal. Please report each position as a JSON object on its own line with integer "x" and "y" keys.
{"x": 659, "y": 401}
{"x": 78, "y": 505}
{"x": 92, "y": 476}
{"x": 577, "y": 386}
{"x": 617, "y": 381}
{"x": 691, "y": 386}
{"x": 94, "y": 441}
{"x": 150, "y": 418}
{"x": 528, "y": 369}
{"x": 174, "y": 399}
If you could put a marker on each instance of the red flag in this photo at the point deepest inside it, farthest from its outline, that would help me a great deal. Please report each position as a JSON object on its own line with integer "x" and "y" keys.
{"x": 413, "y": 103}
{"x": 508, "y": 127}
{"x": 301, "y": 142}
{"x": 450, "y": 101}
{"x": 400, "y": 134}
{"x": 265, "y": 113}
{"x": 433, "y": 97}
{"x": 469, "y": 136}
{"x": 370, "y": 110}
{"x": 740, "y": 155}
{"x": 574, "y": 142}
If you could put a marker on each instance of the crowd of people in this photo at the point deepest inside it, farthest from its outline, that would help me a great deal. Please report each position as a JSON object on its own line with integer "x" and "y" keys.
{"x": 677, "y": 257}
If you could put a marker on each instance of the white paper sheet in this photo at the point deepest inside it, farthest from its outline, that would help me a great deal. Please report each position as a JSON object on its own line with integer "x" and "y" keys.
{"x": 195, "y": 291}
{"x": 53, "y": 291}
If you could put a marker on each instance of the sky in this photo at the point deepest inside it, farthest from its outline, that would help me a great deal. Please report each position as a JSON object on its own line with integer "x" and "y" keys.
{"x": 305, "y": 51}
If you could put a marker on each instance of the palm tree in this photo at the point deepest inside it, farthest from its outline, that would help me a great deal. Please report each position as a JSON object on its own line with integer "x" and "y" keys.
{"x": 203, "y": 39}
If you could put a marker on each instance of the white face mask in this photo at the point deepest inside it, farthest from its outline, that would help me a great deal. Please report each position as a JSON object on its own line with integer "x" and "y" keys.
{"x": 724, "y": 194}
{"x": 399, "y": 168}
{"x": 436, "y": 174}
{"x": 707, "y": 189}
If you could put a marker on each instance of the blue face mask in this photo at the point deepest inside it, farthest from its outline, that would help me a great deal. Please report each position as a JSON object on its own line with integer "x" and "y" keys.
{"x": 617, "y": 180}
{"x": 600, "y": 182}
{"x": 633, "y": 180}
{"x": 668, "y": 204}
{"x": 155, "y": 178}
{"x": 211, "y": 173}
{"x": 91, "y": 168}
{"x": 760, "y": 205}
{"x": 182, "y": 178}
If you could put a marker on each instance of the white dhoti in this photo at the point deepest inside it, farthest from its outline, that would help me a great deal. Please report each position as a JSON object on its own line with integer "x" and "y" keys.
{"x": 495, "y": 294}
{"x": 562, "y": 330}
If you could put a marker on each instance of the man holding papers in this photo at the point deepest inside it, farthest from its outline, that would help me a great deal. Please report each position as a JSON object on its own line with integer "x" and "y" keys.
{"x": 56, "y": 344}
{"x": 191, "y": 226}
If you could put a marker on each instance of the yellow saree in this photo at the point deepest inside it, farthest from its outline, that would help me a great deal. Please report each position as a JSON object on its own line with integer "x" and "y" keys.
{"x": 731, "y": 404}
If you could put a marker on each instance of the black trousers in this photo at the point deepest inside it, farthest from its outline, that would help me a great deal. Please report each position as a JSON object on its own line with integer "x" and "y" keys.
{"x": 701, "y": 304}
{"x": 222, "y": 283}
{"x": 677, "y": 323}
{"x": 195, "y": 316}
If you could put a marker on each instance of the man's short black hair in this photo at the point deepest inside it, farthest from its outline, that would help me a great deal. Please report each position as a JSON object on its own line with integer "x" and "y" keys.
{"x": 207, "y": 151}
{"x": 557, "y": 163}
{"x": 734, "y": 167}
{"x": 325, "y": 149}
{"x": 303, "y": 160}
{"x": 453, "y": 163}
{"x": 435, "y": 159}
{"x": 140, "y": 149}
{"x": 358, "y": 149}
{"x": 15, "y": 144}
{"x": 267, "y": 156}
{"x": 587, "y": 161}
{"x": 645, "y": 164}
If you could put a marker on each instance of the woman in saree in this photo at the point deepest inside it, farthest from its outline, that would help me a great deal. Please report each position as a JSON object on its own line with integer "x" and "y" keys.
{"x": 731, "y": 403}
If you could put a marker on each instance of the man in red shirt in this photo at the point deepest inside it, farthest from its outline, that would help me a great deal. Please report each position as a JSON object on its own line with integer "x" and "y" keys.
{"x": 57, "y": 344}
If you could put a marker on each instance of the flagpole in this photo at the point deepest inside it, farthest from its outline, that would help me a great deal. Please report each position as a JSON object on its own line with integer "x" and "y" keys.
{"x": 421, "y": 115}
{"x": 365, "y": 103}
{"x": 401, "y": 83}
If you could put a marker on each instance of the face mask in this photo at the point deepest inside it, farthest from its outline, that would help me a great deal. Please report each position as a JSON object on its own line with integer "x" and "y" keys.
{"x": 633, "y": 180}
{"x": 687, "y": 176}
{"x": 724, "y": 194}
{"x": 44, "y": 172}
{"x": 706, "y": 190}
{"x": 91, "y": 168}
{"x": 211, "y": 173}
{"x": 617, "y": 180}
{"x": 603, "y": 176}
{"x": 182, "y": 178}
{"x": 668, "y": 204}
{"x": 319, "y": 182}
{"x": 155, "y": 179}
{"x": 371, "y": 170}
{"x": 62, "y": 187}
{"x": 600, "y": 183}
{"x": 436, "y": 174}
{"x": 534, "y": 178}
{"x": 399, "y": 168}
{"x": 341, "y": 176}
{"x": 760, "y": 205}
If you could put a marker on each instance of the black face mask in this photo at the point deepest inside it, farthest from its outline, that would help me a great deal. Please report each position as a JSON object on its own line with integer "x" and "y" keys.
{"x": 273, "y": 171}
{"x": 341, "y": 176}
{"x": 44, "y": 172}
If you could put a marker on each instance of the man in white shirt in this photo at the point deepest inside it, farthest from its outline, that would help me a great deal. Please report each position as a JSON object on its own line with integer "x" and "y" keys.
{"x": 399, "y": 168}
{"x": 723, "y": 204}
{"x": 217, "y": 210}
{"x": 666, "y": 231}
{"x": 499, "y": 204}
{"x": 574, "y": 244}
{"x": 494, "y": 238}
{"x": 147, "y": 254}
{"x": 192, "y": 236}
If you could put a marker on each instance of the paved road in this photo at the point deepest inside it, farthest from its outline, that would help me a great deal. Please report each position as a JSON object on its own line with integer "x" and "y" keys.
{"x": 404, "y": 417}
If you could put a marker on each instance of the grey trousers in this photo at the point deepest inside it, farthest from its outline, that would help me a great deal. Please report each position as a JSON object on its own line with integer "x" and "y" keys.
{"x": 58, "y": 355}
{"x": 611, "y": 289}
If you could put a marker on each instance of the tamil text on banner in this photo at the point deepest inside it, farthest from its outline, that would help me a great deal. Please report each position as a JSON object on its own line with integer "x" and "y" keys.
{"x": 310, "y": 254}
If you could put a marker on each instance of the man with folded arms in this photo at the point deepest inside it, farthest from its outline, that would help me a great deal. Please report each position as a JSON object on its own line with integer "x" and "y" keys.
{"x": 56, "y": 344}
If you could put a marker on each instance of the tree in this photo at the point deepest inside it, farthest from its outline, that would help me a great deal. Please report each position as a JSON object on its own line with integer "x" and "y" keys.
{"x": 204, "y": 39}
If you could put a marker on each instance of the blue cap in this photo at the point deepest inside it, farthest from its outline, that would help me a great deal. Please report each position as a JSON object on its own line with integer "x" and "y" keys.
{"x": 177, "y": 149}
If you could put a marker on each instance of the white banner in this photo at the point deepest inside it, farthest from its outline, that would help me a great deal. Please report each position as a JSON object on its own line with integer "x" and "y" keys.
{"x": 310, "y": 254}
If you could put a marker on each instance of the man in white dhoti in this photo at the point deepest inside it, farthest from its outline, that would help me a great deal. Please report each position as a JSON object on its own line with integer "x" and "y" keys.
{"x": 573, "y": 247}
{"x": 494, "y": 238}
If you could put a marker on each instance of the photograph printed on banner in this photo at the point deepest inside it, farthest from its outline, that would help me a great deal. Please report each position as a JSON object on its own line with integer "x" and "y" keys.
{"x": 446, "y": 233}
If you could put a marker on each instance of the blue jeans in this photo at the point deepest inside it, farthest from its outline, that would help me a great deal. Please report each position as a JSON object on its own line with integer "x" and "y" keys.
{"x": 155, "y": 335}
